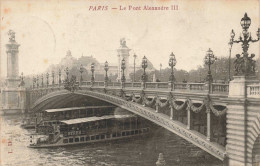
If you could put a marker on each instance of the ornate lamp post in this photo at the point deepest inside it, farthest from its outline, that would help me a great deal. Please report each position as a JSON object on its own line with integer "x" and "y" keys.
{"x": 186, "y": 77}
{"x": 245, "y": 66}
{"x": 172, "y": 63}
{"x": 37, "y": 81}
{"x": 123, "y": 70}
{"x": 34, "y": 80}
{"x": 106, "y": 69}
{"x": 92, "y": 70}
{"x": 144, "y": 66}
{"x": 209, "y": 60}
{"x": 59, "y": 77}
{"x": 42, "y": 80}
{"x": 160, "y": 71}
{"x": 67, "y": 73}
{"x": 52, "y": 74}
{"x": 47, "y": 76}
{"x": 134, "y": 66}
{"x": 230, "y": 43}
{"x": 81, "y": 71}
{"x": 144, "y": 76}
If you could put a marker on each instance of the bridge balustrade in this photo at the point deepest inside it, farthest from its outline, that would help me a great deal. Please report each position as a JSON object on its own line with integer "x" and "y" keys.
{"x": 98, "y": 83}
{"x": 197, "y": 86}
{"x": 220, "y": 87}
{"x": 253, "y": 90}
{"x": 129, "y": 84}
{"x": 151, "y": 85}
{"x": 114, "y": 84}
{"x": 84, "y": 83}
{"x": 162, "y": 85}
{"x": 137, "y": 84}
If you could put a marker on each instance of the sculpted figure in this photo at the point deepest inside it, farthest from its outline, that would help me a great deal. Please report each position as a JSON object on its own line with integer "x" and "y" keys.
{"x": 252, "y": 63}
{"x": 123, "y": 42}
{"x": 11, "y": 35}
{"x": 239, "y": 65}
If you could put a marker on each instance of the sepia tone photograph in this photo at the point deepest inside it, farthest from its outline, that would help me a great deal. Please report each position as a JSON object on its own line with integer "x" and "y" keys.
{"x": 129, "y": 83}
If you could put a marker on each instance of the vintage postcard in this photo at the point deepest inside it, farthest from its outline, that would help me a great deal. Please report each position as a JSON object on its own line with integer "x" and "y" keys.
{"x": 129, "y": 82}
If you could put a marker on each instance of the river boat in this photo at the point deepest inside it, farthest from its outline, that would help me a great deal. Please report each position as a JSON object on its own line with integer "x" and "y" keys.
{"x": 50, "y": 117}
{"x": 92, "y": 130}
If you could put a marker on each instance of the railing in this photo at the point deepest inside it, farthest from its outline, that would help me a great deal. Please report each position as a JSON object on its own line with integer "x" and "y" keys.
{"x": 220, "y": 87}
{"x": 180, "y": 86}
{"x": 197, "y": 86}
{"x": 216, "y": 87}
{"x": 114, "y": 84}
{"x": 163, "y": 85}
{"x": 253, "y": 90}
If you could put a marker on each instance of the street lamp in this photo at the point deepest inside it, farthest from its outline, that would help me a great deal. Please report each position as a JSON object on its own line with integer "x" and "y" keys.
{"x": 67, "y": 73}
{"x": 52, "y": 74}
{"x": 106, "y": 69}
{"x": 134, "y": 66}
{"x": 123, "y": 70}
{"x": 160, "y": 71}
{"x": 144, "y": 66}
{"x": 34, "y": 80}
{"x": 209, "y": 60}
{"x": 47, "y": 76}
{"x": 230, "y": 43}
{"x": 81, "y": 71}
{"x": 92, "y": 70}
{"x": 59, "y": 77}
{"x": 42, "y": 80}
{"x": 186, "y": 74}
{"x": 37, "y": 81}
{"x": 245, "y": 65}
{"x": 172, "y": 63}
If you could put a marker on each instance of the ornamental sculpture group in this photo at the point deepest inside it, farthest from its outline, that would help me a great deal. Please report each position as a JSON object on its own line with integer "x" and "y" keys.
{"x": 245, "y": 65}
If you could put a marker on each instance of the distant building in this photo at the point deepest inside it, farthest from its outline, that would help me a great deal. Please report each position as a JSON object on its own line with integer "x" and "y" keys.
{"x": 86, "y": 61}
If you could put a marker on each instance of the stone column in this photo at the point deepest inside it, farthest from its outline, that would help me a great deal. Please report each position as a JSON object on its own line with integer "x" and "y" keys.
{"x": 189, "y": 119}
{"x": 123, "y": 53}
{"x": 209, "y": 125}
{"x": 157, "y": 107}
{"x": 171, "y": 115}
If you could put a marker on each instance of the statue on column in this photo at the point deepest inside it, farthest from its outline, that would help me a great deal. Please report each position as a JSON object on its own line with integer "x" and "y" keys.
{"x": 123, "y": 42}
{"x": 11, "y": 35}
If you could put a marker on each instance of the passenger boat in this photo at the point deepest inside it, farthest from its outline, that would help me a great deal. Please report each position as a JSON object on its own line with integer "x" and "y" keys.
{"x": 47, "y": 118}
{"x": 93, "y": 129}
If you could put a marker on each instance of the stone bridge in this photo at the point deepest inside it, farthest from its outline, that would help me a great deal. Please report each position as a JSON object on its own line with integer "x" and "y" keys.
{"x": 223, "y": 125}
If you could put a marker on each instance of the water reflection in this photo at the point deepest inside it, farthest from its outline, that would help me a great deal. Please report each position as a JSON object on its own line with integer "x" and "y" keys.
{"x": 131, "y": 152}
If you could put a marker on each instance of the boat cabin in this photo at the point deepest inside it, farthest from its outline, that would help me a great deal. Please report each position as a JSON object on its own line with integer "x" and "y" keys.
{"x": 51, "y": 117}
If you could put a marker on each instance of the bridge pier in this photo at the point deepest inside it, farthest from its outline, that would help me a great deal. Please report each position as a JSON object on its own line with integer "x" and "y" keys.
{"x": 243, "y": 123}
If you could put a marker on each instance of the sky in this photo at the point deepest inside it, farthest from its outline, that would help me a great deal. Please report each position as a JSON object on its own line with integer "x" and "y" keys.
{"x": 47, "y": 29}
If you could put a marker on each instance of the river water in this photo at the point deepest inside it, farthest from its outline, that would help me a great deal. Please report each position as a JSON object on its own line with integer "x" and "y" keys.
{"x": 131, "y": 152}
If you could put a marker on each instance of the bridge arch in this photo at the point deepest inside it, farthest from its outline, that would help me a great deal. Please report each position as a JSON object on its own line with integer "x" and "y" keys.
{"x": 59, "y": 99}
{"x": 148, "y": 113}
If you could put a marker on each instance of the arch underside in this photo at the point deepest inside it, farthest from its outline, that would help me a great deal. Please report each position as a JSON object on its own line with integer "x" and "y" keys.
{"x": 148, "y": 113}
